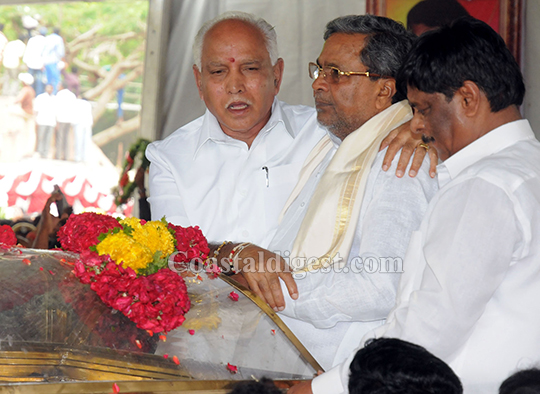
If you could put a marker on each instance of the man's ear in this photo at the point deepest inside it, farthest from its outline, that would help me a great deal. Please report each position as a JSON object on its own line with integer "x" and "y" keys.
{"x": 198, "y": 80}
{"x": 387, "y": 90}
{"x": 470, "y": 97}
{"x": 278, "y": 74}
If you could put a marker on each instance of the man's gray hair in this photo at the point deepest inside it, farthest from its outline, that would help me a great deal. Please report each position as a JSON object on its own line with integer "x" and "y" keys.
{"x": 264, "y": 27}
{"x": 387, "y": 42}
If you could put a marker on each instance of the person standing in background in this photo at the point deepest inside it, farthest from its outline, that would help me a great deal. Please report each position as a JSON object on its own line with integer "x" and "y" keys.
{"x": 45, "y": 110}
{"x": 13, "y": 52}
{"x": 53, "y": 52}
{"x": 3, "y": 40}
{"x": 65, "y": 103}
{"x": 33, "y": 58}
{"x": 72, "y": 80}
{"x": 82, "y": 127}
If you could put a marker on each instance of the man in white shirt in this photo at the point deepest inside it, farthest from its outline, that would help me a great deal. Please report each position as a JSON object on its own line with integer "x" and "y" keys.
{"x": 53, "y": 52}
{"x": 345, "y": 208}
{"x": 65, "y": 111}
{"x": 33, "y": 58}
{"x": 231, "y": 171}
{"x": 471, "y": 283}
{"x": 13, "y": 52}
{"x": 45, "y": 110}
{"x": 82, "y": 128}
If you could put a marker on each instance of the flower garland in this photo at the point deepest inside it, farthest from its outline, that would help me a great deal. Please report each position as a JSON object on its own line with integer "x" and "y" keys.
{"x": 7, "y": 237}
{"x": 126, "y": 188}
{"x": 126, "y": 264}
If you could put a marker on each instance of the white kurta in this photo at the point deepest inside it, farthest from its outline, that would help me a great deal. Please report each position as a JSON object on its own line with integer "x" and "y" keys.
{"x": 199, "y": 176}
{"x": 470, "y": 291}
{"x": 337, "y": 307}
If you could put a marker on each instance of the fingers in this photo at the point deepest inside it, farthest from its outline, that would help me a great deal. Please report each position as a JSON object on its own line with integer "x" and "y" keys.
{"x": 405, "y": 156}
{"x": 290, "y": 283}
{"x": 417, "y": 161}
{"x": 388, "y": 139}
{"x": 434, "y": 161}
{"x": 391, "y": 152}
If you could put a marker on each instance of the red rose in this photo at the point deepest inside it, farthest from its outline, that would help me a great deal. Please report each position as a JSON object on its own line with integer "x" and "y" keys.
{"x": 81, "y": 231}
{"x": 7, "y": 236}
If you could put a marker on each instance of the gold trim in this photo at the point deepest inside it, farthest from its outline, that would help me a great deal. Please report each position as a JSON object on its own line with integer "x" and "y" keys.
{"x": 306, "y": 355}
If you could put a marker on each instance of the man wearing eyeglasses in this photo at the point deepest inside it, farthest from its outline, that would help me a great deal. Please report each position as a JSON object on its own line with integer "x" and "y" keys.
{"x": 231, "y": 171}
{"x": 347, "y": 223}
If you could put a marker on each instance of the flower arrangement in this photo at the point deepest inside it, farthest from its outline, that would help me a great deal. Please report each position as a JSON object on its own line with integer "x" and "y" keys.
{"x": 126, "y": 264}
{"x": 7, "y": 237}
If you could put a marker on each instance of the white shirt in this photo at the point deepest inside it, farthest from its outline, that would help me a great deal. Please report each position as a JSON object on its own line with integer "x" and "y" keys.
{"x": 470, "y": 293}
{"x": 45, "y": 109}
{"x": 54, "y": 49}
{"x": 65, "y": 106}
{"x": 33, "y": 55}
{"x": 83, "y": 113}
{"x": 13, "y": 51}
{"x": 199, "y": 176}
{"x": 336, "y": 308}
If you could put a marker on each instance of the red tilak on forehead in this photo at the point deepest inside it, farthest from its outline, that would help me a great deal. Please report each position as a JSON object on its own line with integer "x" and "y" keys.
{"x": 231, "y": 59}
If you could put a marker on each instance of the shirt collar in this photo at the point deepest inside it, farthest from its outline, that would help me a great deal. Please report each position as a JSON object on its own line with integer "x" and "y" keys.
{"x": 211, "y": 130}
{"x": 494, "y": 141}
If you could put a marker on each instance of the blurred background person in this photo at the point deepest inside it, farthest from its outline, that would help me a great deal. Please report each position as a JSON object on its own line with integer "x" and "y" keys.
{"x": 23, "y": 121}
{"x": 72, "y": 80}
{"x": 65, "y": 109}
{"x": 53, "y": 53}
{"x": 3, "y": 40}
{"x": 82, "y": 128}
{"x": 13, "y": 52}
{"x": 33, "y": 58}
{"x": 45, "y": 110}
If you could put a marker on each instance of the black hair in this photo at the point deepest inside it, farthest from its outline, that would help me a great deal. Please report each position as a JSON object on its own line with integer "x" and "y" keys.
{"x": 467, "y": 50}
{"x": 387, "y": 42}
{"x": 435, "y": 13}
{"x": 393, "y": 366}
{"x": 263, "y": 386}
{"x": 522, "y": 382}
{"x": 56, "y": 30}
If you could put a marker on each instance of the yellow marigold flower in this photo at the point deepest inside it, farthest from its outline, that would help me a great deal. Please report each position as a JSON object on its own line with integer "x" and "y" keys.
{"x": 156, "y": 237}
{"x": 134, "y": 223}
{"x": 124, "y": 249}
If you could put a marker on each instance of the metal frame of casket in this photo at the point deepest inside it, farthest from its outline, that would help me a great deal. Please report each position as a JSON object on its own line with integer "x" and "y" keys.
{"x": 56, "y": 336}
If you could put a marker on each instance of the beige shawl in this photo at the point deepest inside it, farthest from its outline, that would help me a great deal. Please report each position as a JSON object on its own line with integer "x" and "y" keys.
{"x": 328, "y": 229}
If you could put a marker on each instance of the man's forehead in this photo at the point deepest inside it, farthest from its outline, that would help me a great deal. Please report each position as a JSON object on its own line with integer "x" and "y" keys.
{"x": 245, "y": 38}
{"x": 342, "y": 46}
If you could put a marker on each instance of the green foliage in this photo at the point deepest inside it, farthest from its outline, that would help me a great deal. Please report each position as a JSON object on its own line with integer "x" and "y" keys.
{"x": 155, "y": 265}
{"x": 75, "y": 18}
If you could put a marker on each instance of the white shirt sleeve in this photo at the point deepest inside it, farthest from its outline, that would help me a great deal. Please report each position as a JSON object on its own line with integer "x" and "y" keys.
{"x": 164, "y": 197}
{"x": 468, "y": 247}
{"x": 360, "y": 292}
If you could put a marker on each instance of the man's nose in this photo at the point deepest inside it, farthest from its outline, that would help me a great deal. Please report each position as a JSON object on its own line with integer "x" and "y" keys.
{"x": 417, "y": 124}
{"x": 319, "y": 83}
{"x": 235, "y": 82}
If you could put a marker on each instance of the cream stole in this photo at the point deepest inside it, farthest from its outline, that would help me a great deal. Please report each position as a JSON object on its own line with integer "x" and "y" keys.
{"x": 327, "y": 231}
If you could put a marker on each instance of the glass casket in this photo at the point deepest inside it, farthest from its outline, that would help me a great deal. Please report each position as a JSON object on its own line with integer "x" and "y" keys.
{"x": 56, "y": 336}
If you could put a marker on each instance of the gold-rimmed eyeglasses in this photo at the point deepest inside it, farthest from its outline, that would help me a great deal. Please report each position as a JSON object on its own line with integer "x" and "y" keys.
{"x": 335, "y": 73}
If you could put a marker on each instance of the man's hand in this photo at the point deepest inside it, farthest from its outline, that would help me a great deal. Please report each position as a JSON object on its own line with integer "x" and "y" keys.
{"x": 262, "y": 270}
{"x": 47, "y": 223}
{"x": 301, "y": 388}
{"x": 409, "y": 143}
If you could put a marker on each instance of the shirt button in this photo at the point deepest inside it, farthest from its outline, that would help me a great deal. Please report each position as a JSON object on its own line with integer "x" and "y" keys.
{"x": 242, "y": 192}
{"x": 245, "y": 233}
{"x": 303, "y": 203}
